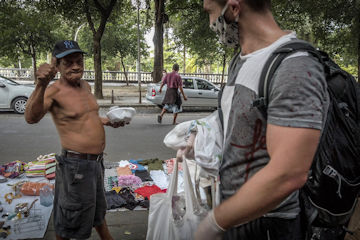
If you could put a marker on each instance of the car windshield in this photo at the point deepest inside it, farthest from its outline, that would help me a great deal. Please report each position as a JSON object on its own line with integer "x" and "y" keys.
{"x": 8, "y": 81}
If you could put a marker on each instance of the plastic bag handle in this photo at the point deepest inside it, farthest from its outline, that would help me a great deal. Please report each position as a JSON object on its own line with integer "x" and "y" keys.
{"x": 191, "y": 202}
{"x": 172, "y": 189}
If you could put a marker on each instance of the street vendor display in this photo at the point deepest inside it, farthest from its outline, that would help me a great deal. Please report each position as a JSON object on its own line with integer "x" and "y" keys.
{"x": 21, "y": 214}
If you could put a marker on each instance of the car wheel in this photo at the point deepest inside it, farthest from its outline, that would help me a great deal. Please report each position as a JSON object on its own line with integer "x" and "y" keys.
{"x": 19, "y": 105}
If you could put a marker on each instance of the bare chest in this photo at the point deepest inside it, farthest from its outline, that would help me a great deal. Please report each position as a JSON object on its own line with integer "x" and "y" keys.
{"x": 75, "y": 104}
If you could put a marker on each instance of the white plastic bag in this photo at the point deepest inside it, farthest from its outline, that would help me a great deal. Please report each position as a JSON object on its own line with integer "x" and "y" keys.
{"x": 176, "y": 138}
{"x": 168, "y": 218}
{"x": 120, "y": 114}
{"x": 208, "y": 143}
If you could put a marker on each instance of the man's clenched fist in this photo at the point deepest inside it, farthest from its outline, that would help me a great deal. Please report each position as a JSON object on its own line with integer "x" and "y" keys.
{"x": 46, "y": 72}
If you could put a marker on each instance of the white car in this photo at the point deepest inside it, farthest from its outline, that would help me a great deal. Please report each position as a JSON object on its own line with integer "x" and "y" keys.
{"x": 200, "y": 93}
{"x": 14, "y": 95}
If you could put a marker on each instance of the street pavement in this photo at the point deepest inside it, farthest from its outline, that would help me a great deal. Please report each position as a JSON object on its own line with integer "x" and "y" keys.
{"x": 142, "y": 138}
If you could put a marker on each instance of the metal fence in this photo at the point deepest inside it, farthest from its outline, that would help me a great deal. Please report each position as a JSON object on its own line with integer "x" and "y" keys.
{"x": 107, "y": 76}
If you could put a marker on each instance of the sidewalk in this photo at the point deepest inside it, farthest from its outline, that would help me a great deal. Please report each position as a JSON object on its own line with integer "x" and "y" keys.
{"x": 124, "y": 225}
{"x": 126, "y": 96}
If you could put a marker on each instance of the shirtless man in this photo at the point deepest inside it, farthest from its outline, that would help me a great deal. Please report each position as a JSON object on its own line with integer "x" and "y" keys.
{"x": 79, "y": 202}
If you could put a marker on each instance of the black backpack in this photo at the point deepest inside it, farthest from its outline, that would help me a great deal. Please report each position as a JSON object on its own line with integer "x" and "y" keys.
{"x": 330, "y": 194}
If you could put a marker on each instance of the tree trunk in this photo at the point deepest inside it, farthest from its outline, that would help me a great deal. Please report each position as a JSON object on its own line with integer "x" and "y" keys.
{"x": 158, "y": 40}
{"x": 97, "y": 35}
{"x": 358, "y": 55}
{"x": 358, "y": 42}
{"x": 125, "y": 73}
{"x": 184, "y": 67}
{"x": 33, "y": 60}
{"x": 98, "y": 70}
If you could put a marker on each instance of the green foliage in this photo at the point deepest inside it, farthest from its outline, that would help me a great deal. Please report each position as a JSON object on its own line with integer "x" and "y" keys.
{"x": 332, "y": 26}
{"x": 25, "y": 30}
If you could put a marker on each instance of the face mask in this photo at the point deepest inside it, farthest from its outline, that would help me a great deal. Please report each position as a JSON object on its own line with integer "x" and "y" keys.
{"x": 228, "y": 33}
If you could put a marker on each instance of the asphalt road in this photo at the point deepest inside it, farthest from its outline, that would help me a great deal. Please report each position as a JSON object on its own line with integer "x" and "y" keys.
{"x": 141, "y": 139}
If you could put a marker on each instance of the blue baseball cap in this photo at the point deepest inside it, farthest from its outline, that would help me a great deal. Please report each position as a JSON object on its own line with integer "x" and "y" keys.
{"x": 66, "y": 47}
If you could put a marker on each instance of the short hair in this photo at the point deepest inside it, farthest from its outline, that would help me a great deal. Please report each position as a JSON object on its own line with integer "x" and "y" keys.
{"x": 255, "y": 5}
{"x": 176, "y": 67}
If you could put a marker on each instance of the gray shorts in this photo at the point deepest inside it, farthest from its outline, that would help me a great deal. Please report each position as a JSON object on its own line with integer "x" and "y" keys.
{"x": 79, "y": 202}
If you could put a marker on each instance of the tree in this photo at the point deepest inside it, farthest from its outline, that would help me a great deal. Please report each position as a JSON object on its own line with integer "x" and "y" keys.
{"x": 331, "y": 25}
{"x": 97, "y": 14}
{"x": 160, "y": 19}
{"x": 190, "y": 24}
{"x": 26, "y": 30}
{"x": 121, "y": 40}
{"x": 105, "y": 12}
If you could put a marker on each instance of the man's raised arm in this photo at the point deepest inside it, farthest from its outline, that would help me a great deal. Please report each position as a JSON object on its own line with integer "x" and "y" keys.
{"x": 40, "y": 100}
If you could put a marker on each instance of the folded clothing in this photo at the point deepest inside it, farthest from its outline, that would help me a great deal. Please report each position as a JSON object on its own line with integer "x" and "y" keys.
{"x": 129, "y": 181}
{"x": 33, "y": 188}
{"x": 134, "y": 166}
{"x": 50, "y": 176}
{"x": 143, "y": 175}
{"x": 170, "y": 165}
{"x": 128, "y": 195}
{"x": 153, "y": 164}
{"x": 124, "y": 198}
{"x": 123, "y": 171}
{"x": 38, "y": 168}
{"x": 147, "y": 191}
{"x": 12, "y": 169}
{"x": 124, "y": 163}
{"x": 160, "y": 178}
{"x": 114, "y": 200}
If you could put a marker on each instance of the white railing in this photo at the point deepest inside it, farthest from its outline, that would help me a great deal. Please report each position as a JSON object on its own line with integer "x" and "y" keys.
{"x": 108, "y": 76}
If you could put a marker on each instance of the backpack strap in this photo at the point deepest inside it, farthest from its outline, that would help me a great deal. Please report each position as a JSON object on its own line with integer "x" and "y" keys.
{"x": 272, "y": 64}
{"x": 220, "y": 112}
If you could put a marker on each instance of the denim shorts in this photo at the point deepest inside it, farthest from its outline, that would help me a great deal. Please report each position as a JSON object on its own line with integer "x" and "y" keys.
{"x": 79, "y": 202}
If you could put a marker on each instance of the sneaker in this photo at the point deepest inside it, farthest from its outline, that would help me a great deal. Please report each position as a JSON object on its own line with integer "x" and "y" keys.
{"x": 159, "y": 118}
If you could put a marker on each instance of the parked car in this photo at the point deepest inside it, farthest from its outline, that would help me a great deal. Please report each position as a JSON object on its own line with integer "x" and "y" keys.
{"x": 14, "y": 95}
{"x": 200, "y": 93}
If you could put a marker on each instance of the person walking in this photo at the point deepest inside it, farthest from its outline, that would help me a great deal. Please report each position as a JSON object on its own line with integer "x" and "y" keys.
{"x": 172, "y": 100}
{"x": 79, "y": 201}
{"x": 265, "y": 160}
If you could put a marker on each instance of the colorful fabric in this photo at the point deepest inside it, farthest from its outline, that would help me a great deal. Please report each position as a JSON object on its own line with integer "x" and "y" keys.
{"x": 116, "y": 189}
{"x": 147, "y": 191}
{"x": 123, "y": 171}
{"x": 12, "y": 169}
{"x": 153, "y": 164}
{"x": 110, "y": 182}
{"x": 170, "y": 165}
{"x": 134, "y": 165}
{"x": 38, "y": 168}
{"x": 129, "y": 181}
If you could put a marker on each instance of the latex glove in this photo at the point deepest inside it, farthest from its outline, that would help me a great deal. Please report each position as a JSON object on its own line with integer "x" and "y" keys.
{"x": 208, "y": 229}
